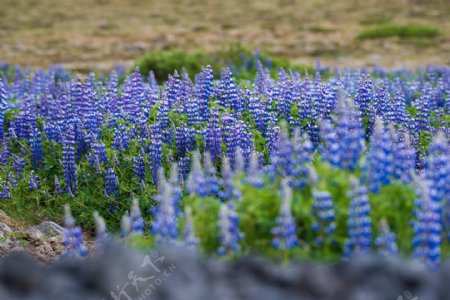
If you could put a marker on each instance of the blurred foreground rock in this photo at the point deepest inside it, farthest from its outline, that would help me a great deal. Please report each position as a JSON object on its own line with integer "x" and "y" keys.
{"x": 118, "y": 273}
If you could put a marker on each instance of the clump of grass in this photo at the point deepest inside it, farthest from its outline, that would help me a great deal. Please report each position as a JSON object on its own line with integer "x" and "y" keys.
{"x": 239, "y": 59}
{"x": 401, "y": 31}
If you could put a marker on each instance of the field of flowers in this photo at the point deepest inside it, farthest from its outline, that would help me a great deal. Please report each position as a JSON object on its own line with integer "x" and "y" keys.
{"x": 322, "y": 166}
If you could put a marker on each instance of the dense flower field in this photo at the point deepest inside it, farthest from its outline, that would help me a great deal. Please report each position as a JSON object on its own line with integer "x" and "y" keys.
{"x": 298, "y": 166}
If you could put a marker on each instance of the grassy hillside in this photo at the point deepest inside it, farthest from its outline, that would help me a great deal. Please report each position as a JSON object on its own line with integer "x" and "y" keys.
{"x": 101, "y": 32}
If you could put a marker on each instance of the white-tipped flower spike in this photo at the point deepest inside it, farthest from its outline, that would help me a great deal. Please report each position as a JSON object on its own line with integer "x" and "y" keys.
{"x": 226, "y": 167}
{"x": 196, "y": 176}
{"x": 73, "y": 236}
{"x": 125, "y": 225}
{"x": 143, "y": 186}
{"x": 173, "y": 180}
{"x": 190, "y": 240}
{"x": 161, "y": 179}
{"x": 57, "y": 186}
{"x": 312, "y": 174}
{"x": 136, "y": 220}
{"x": 100, "y": 228}
{"x": 229, "y": 191}
{"x": 229, "y": 229}
{"x": 164, "y": 225}
{"x": 285, "y": 232}
{"x": 254, "y": 176}
{"x": 98, "y": 169}
{"x": 240, "y": 163}
{"x": 115, "y": 160}
{"x": 386, "y": 240}
{"x": 68, "y": 218}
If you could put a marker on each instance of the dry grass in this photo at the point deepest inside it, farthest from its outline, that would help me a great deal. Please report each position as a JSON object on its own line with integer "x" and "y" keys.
{"x": 102, "y": 32}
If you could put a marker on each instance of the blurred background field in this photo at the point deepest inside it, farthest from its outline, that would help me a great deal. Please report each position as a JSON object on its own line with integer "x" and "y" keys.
{"x": 101, "y": 33}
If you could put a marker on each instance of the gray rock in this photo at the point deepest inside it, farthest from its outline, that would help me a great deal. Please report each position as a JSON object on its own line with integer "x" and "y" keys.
{"x": 4, "y": 228}
{"x": 177, "y": 274}
{"x": 7, "y": 245}
{"x": 34, "y": 233}
{"x": 49, "y": 228}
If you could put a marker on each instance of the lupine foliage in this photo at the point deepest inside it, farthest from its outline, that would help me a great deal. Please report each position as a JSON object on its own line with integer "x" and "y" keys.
{"x": 298, "y": 166}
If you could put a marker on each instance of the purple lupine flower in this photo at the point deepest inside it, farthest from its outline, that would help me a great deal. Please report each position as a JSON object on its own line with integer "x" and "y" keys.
{"x": 254, "y": 174}
{"x": 427, "y": 226}
{"x": 359, "y": 223}
{"x": 69, "y": 165}
{"x": 73, "y": 236}
{"x": 260, "y": 79}
{"x": 400, "y": 115}
{"x": 34, "y": 181}
{"x": 204, "y": 91}
{"x": 245, "y": 144}
{"x": 302, "y": 150}
{"x": 363, "y": 97}
{"x": 213, "y": 136}
{"x": 192, "y": 111}
{"x": 162, "y": 117}
{"x": 382, "y": 100}
{"x": 423, "y": 108}
{"x": 18, "y": 165}
{"x": 380, "y": 157}
{"x": 229, "y": 191}
{"x": 173, "y": 90}
{"x": 99, "y": 151}
{"x": 139, "y": 167}
{"x": 404, "y": 158}
{"x": 4, "y": 152}
{"x": 155, "y": 156}
{"x": 285, "y": 231}
{"x": 284, "y": 101}
{"x": 228, "y": 92}
{"x": 164, "y": 225}
{"x": 282, "y": 162}
{"x": 437, "y": 166}
{"x": 211, "y": 184}
{"x": 58, "y": 189}
{"x": 231, "y": 137}
{"x": 136, "y": 220}
{"x": 258, "y": 111}
{"x": 349, "y": 134}
{"x": 437, "y": 171}
{"x": 229, "y": 234}
{"x": 325, "y": 218}
{"x": 3, "y": 105}
{"x": 138, "y": 94}
{"x": 5, "y": 193}
{"x": 183, "y": 169}
{"x": 386, "y": 240}
{"x": 111, "y": 96}
{"x": 111, "y": 183}
{"x": 329, "y": 149}
{"x": 184, "y": 140}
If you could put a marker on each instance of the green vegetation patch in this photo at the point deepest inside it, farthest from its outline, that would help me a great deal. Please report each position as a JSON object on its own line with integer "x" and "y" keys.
{"x": 240, "y": 60}
{"x": 401, "y": 31}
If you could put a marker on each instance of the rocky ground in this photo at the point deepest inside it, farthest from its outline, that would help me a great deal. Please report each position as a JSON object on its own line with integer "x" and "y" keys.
{"x": 31, "y": 268}
{"x": 118, "y": 273}
{"x": 42, "y": 241}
